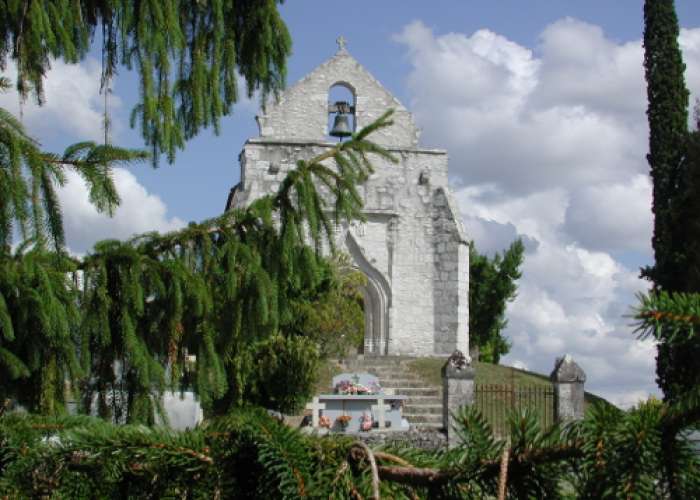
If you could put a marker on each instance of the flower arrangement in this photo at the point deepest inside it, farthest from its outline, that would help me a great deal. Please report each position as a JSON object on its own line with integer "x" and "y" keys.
{"x": 343, "y": 420}
{"x": 350, "y": 387}
{"x": 366, "y": 422}
{"x": 324, "y": 421}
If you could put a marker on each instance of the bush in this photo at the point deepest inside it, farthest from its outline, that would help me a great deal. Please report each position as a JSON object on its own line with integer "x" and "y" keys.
{"x": 285, "y": 373}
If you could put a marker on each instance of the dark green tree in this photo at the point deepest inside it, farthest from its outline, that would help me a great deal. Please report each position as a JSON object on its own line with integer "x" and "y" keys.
{"x": 124, "y": 322}
{"x": 492, "y": 284}
{"x": 668, "y": 131}
{"x": 333, "y": 317}
{"x": 186, "y": 52}
{"x": 671, "y": 175}
{"x": 689, "y": 206}
{"x": 38, "y": 307}
{"x": 223, "y": 290}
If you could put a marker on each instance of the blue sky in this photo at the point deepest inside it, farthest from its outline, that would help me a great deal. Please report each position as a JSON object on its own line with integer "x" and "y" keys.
{"x": 194, "y": 186}
{"x": 541, "y": 107}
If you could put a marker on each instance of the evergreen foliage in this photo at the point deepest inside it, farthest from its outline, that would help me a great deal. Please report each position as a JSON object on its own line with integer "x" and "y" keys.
{"x": 685, "y": 216}
{"x": 187, "y": 55}
{"x": 334, "y": 319}
{"x": 668, "y": 158}
{"x": 29, "y": 205}
{"x": 492, "y": 284}
{"x": 225, "y": 290}
{"x": 668, "y": 129}
{"x": 678, "y": 369}
{"x": 673, "y": 167}
{"x": 248, "y": 454}
{"x": 39, "y": 316}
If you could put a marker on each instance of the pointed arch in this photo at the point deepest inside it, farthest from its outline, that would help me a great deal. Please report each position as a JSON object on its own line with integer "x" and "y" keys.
{"x": 377, "y": 297}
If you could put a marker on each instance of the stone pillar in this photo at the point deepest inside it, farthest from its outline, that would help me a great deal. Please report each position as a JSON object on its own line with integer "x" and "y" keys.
{"x": 457, "y": 391}
{"x": 568, "y": 379}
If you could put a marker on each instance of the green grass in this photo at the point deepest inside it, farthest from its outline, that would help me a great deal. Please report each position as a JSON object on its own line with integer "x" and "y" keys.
{"x": 429, "y": 369}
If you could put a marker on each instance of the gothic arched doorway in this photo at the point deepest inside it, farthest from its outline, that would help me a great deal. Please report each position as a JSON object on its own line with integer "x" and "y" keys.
{"x": 377, "y": 301}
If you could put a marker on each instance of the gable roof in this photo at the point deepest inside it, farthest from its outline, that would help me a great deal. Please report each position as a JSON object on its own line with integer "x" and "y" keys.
{"x": 301, "y": 112}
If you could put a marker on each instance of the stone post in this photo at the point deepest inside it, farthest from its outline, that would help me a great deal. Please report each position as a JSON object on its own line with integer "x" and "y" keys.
{"x": 457, "y": 391}
{"x": 568, "y": 379}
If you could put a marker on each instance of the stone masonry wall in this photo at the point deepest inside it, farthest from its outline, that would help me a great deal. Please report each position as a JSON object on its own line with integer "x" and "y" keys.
{"x": 413, "y": 240}
{"x": 451, "y": 278}
{"x": 301, "y": 113}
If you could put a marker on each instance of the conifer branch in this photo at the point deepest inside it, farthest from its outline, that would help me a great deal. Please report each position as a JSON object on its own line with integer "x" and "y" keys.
{"x": 667, "y": 316}
{"x": 187, "y": 55}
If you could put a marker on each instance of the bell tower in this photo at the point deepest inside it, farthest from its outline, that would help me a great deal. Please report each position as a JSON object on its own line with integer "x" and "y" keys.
{"x": 412, "y": 246}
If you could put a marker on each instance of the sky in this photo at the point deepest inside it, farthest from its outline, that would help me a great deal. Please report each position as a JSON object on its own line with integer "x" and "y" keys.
{"x": 541, "y": 107}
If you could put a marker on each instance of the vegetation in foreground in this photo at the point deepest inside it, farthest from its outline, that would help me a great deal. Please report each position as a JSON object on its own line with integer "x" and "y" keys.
{"x": 248, "y": 454}
{"x": 145, "y": 305}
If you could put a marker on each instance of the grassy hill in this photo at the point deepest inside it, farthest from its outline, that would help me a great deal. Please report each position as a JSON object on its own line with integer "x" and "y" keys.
{"x": 487, "y": 373}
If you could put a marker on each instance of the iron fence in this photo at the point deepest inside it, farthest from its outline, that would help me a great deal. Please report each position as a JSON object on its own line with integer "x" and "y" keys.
{"x": 496, "y": 402}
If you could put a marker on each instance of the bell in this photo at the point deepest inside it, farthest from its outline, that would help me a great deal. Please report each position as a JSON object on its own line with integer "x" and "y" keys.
{"x": 341, "y": 126}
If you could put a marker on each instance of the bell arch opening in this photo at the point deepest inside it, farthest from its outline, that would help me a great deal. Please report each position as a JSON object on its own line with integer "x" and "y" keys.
{"x": 377, "y": 302}
{"x": 341, "y": 117}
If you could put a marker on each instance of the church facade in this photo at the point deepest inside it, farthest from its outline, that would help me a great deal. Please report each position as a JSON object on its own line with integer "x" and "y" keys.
{"x": 412, "y": 247}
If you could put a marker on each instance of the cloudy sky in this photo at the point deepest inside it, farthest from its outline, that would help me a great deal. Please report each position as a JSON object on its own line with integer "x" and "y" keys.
{"x": 540, "y": 105}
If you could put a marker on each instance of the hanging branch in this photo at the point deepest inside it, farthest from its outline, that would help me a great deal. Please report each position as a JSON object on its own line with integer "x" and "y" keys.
{"x": 188, "y": 55}
{"x": 220, "y": 289}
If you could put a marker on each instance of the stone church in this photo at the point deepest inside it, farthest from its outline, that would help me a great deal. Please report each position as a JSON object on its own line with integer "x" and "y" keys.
{"x": 412, "y": 247}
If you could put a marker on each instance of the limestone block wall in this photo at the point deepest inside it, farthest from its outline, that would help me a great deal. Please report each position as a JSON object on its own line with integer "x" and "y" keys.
{"x": 412, "y": 245}
{"x": 451, "y": 278}
{"x": 301, "y": 113}
{"x": 408, "y": 237}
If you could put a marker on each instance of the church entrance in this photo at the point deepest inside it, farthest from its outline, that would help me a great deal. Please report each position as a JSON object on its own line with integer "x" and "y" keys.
{"x": 377, "y": 302}
{"x": 376, "y": 319}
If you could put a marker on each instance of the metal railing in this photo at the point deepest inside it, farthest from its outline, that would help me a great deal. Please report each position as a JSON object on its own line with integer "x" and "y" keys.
{"x": 497, "y": 401}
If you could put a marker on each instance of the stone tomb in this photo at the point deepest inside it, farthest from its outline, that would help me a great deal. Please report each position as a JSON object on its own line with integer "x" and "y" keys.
{"x": 356, "y": 395}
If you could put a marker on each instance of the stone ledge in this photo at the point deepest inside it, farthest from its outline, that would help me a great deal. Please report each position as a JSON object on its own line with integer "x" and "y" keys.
{"x": 328, "y": 144}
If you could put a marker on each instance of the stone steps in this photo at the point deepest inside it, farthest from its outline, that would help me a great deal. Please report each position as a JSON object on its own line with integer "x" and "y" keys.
{"x": 424, "y": 402}
{"x": 409, "y": 380}
{"x": 417, "y": 391}
{"x": 417, "y": 409}
{"x": 422, "y": 419}
{"x": 395, "y": 383}
{"x": 378, "y": 360}
{"x": 396, "y": 375}
{"x": 423, "y": 408}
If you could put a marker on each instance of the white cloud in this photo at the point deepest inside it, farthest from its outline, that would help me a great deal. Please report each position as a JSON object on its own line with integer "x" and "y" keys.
{"x": 549, "y": 144}
{"x": 73, "y": 111}
{"x": 580, "y": 67}
{"x": 595, "y": 211}
{"x": 73, "y": 104}
{"x": 139, "y": 212}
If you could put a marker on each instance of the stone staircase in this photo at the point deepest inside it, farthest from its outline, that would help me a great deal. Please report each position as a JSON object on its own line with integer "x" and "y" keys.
{"x": 424, "y": 405}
